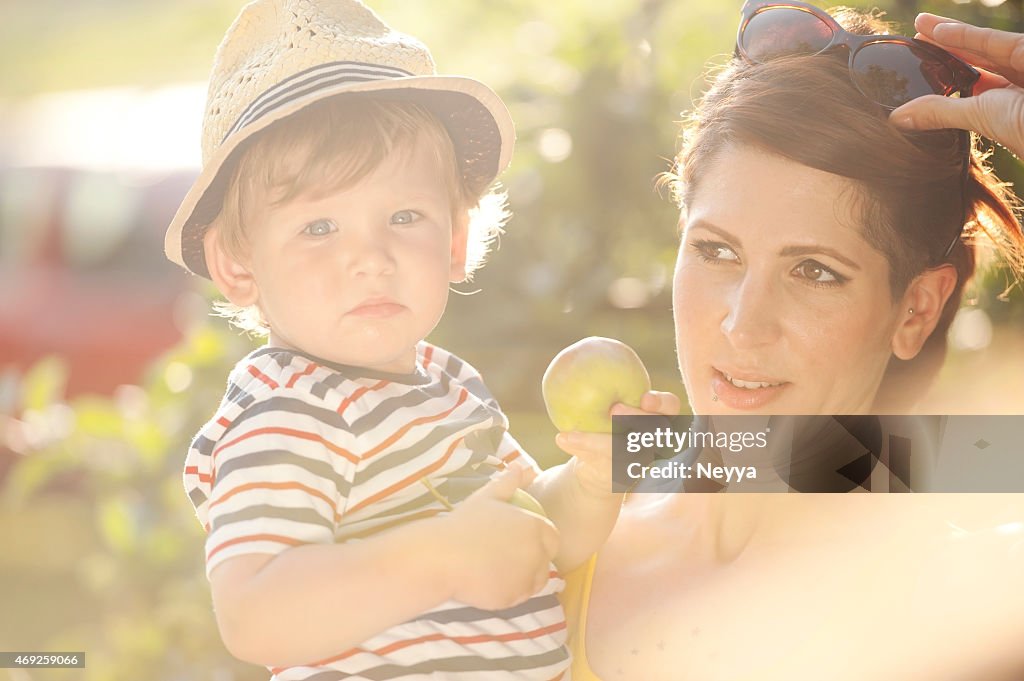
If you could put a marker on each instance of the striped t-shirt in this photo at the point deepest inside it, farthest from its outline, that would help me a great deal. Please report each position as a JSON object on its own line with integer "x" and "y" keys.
{"x": 305, "y": 451}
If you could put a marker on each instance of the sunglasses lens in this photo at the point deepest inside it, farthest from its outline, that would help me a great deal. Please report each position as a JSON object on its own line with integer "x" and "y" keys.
{"x": 784, "y": 31}
{"x": 892, "y": 74}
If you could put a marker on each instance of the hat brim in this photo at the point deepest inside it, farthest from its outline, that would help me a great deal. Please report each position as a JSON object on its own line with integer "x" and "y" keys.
{"x": 476, "y": 119}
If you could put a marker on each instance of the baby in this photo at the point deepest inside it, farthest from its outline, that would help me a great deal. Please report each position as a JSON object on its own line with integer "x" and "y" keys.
{"x": 354, "y": 481}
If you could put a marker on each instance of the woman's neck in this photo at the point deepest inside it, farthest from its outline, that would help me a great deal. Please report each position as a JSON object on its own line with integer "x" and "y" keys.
{"x": 736, "y": 520}
{"x": 721, "y": 527}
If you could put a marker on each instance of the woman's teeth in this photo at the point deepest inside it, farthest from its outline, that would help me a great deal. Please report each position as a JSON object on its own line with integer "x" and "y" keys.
{"x": 749, "y": 385}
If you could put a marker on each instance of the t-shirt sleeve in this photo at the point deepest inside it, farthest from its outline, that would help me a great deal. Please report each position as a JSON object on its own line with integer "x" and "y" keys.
{"x": 513, "y": 454}
{"x": 508, "y": 450}
{"x": 281, "y": 474}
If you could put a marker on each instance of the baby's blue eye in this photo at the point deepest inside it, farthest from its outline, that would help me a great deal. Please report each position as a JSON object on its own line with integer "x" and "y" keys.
{"x": 319, "y": 228}
{"x": 405, "y": 217}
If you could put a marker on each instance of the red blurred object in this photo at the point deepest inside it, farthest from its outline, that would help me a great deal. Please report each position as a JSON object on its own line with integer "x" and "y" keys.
{"x": 82, "y": 271}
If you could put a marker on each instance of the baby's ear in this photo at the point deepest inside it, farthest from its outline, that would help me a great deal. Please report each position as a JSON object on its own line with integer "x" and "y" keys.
{"x": 232, "y": 276}
{"x": 460, "y": 241}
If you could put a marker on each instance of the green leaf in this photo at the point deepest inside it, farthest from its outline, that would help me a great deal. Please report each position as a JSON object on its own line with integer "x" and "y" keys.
{"x": 44, "y": 383}
{"x": 117, "y": 524}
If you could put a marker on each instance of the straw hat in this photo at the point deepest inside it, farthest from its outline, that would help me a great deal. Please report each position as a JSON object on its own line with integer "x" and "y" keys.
{"x": 282, "y": 55}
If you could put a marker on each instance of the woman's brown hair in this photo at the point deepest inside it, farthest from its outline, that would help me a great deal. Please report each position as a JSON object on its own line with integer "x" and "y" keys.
{"x": 914, "y": 200}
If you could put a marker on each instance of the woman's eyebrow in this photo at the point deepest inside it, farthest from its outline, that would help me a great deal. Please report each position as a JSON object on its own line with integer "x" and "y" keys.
{"x": 815, "y": 249}
{"x": 711, "y": 227}
{"x": 788, "y": 251}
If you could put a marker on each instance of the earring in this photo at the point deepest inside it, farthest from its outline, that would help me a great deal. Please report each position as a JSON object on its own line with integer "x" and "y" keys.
{"x": 910, "y": 311}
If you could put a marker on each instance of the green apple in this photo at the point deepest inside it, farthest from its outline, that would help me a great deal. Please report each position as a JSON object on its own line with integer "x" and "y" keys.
{"x": 585, "y": 379}
{"x": 527, "y": 502}
{"x": 461, "y": 487}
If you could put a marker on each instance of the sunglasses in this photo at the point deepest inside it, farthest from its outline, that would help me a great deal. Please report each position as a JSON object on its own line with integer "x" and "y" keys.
{"x": 890, "y": 70}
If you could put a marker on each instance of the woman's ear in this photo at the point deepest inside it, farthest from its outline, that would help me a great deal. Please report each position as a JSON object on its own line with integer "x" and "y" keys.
{"x": 460, "y": 241}
{"x": 233, "y": 278}
{"x": 921, "y": 309}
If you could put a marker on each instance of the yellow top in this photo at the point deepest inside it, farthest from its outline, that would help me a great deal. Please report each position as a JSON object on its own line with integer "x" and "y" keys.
{"x": 575, "y": 600}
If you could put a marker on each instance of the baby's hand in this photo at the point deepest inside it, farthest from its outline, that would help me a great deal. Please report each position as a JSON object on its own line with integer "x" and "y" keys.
{"x": 500, "y": 554}
{"x": 592, "y": 452}
{"x": 591, "y": 460}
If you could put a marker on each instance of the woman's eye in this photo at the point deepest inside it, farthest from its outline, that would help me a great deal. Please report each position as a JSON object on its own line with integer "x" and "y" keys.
{"x": 405, "y": 217}
{"x": 714, "y": 251}
{"x": 817, "y": 273}
{"x": 319, "y": 228}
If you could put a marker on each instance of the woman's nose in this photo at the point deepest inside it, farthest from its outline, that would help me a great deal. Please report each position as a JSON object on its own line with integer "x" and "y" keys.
{"x": 752, "y": 313}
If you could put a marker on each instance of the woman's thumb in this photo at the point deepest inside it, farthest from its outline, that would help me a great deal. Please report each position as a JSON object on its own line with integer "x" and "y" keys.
{"x": 934, "y": 112}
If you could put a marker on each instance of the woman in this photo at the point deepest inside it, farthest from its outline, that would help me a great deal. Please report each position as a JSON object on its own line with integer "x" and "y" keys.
{"x": 823, "y": 256}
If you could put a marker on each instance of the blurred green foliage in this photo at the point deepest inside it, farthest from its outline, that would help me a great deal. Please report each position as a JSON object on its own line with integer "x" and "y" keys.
{"x": 102, "y": 551}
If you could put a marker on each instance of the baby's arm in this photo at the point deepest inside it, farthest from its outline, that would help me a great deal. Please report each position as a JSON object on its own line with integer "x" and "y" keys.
{"x": 314, "y": 601}
{"x": 577, "y": 495}
{"x": 584, "y": 517}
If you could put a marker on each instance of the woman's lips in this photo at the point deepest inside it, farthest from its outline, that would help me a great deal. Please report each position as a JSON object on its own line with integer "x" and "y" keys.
{"x": 376, "y": 309}
{"x": 735, "y": 397}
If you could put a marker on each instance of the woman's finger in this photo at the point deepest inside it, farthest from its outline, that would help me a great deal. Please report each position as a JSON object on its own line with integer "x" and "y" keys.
{"x": 997, "y": 115}
{"x": 934, "y": 112}
{"x": 976, "y": 60}
{"x": 925, "y": 22}
{"x": 990, "y": 81}
{"x": 1002, "y": 49}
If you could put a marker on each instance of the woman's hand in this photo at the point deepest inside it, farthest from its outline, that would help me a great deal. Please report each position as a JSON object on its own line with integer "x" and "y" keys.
{"x": 996, "y": 110}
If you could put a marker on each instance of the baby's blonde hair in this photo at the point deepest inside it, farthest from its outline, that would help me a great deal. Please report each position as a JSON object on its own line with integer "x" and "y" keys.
{"x": 331, "y": 145}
